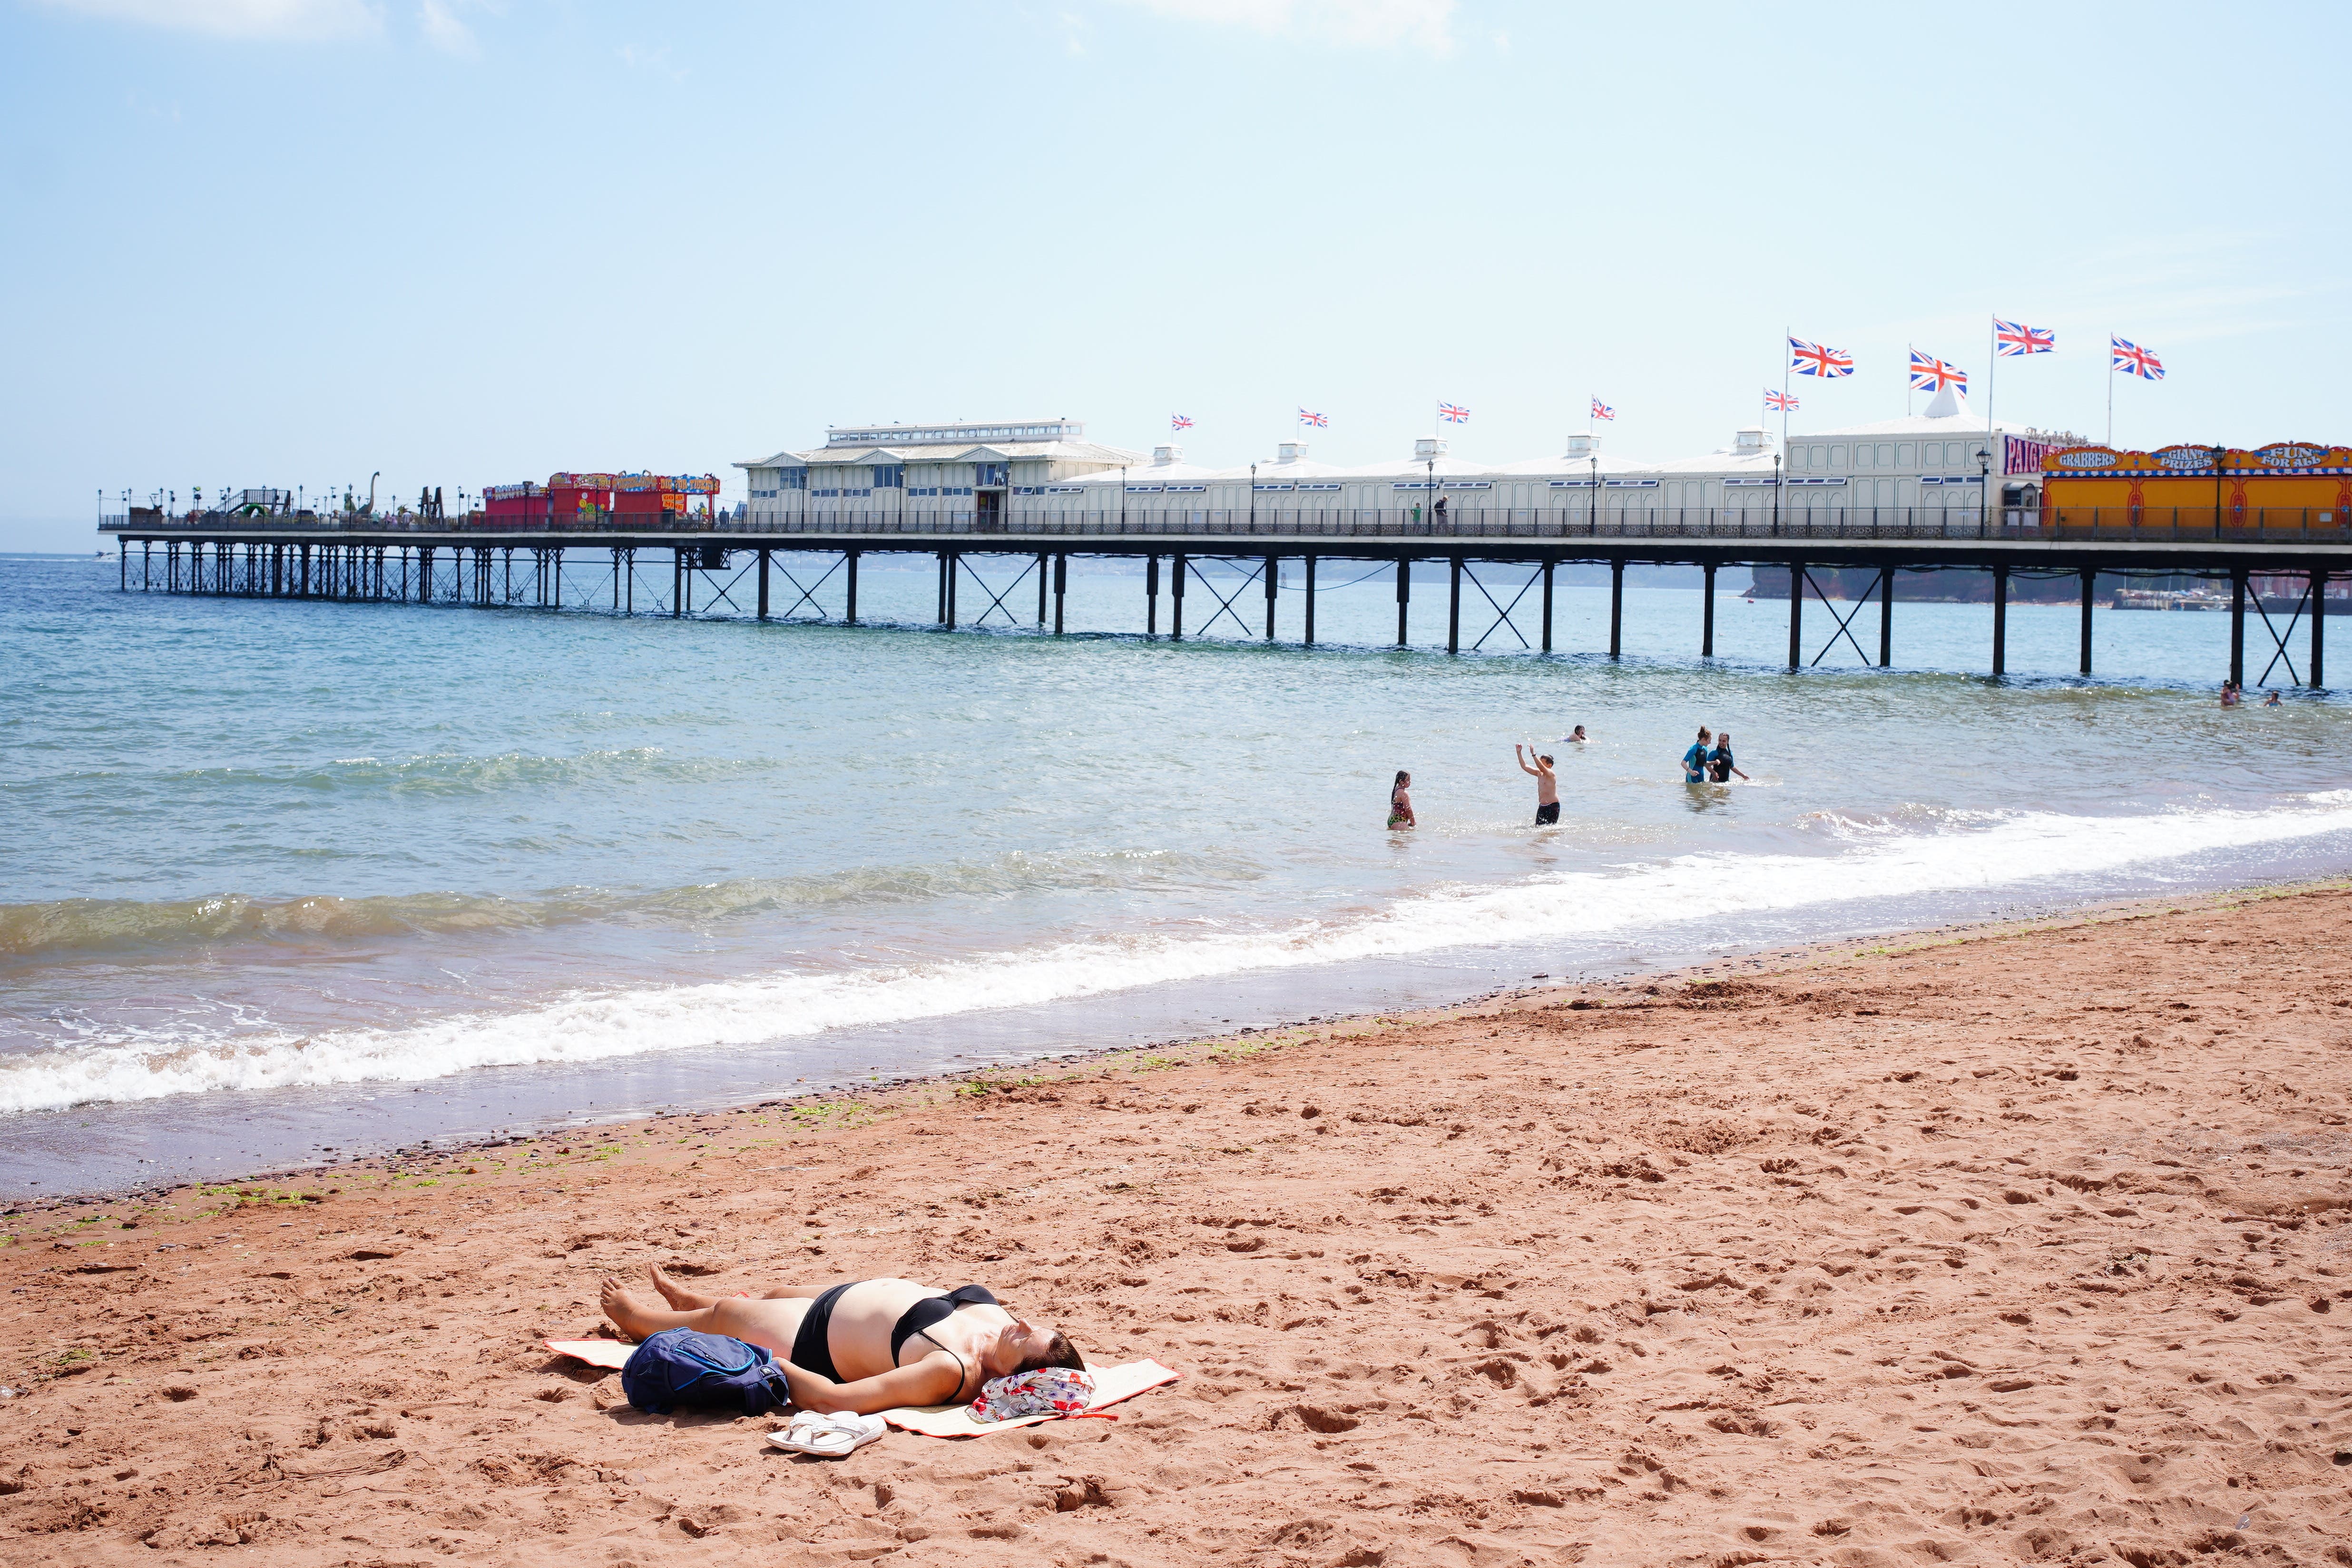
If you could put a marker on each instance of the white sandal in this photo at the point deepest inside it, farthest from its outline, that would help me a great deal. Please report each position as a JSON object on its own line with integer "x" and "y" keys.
{"x": 828, "y": 1435}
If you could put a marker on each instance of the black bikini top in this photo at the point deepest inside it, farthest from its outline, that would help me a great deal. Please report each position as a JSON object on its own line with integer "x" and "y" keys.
{"x": 931, "y": 1311}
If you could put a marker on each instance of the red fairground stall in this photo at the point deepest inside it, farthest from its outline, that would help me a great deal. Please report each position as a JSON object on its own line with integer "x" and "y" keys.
{"x": 591, "y": 500}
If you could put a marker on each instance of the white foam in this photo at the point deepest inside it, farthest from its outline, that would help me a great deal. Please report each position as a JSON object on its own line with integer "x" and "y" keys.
{"x": 2016, "y": 851}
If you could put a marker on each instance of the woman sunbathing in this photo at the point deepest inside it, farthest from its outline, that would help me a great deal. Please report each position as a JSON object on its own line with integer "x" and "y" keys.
{"x": 863, "y": 1345}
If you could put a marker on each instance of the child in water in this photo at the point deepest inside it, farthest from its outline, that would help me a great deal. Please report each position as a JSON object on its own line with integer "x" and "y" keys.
{"x": 1400, "y": 802}
{"x": 1694, "y": 759}
{"x": 1719, "y": 765}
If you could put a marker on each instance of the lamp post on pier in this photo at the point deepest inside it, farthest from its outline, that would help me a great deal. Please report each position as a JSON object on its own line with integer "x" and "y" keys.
{"x": 1984, "y": 490}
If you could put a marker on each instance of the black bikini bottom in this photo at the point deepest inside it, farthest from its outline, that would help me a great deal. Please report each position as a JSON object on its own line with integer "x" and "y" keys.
{"x": 813, "y": 1346}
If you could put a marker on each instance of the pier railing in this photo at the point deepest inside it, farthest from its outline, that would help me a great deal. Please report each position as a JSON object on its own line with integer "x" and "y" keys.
{"x": 2119, "y": 524}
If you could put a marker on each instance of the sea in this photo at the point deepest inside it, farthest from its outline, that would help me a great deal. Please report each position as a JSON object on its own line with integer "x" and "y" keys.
{"x": 288, "y": 883}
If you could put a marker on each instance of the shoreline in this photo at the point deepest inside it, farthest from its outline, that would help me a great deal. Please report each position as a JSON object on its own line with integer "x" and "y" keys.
{"x": 1999, "y": 1241}
{"x": 1762, "y": 959}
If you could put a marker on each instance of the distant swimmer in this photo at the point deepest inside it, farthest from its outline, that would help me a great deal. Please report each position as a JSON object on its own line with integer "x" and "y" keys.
{"x": 1719, "y": 765}
{"x": 2272, "y": 701}
{"x": 1575, "y": 737}
{"x": 1400, "y": 802}
{"x": 1546, "y": 786}
{"x": 2231, "y": 696}
{"x": 1694, "y": 759}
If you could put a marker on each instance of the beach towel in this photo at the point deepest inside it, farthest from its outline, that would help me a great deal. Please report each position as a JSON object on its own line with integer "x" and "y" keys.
{"x": 1113, "y": 1384}
{"x": 613, "y": 1353}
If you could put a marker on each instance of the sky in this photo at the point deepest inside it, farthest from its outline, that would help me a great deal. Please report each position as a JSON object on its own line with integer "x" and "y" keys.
{"x": 465, "y": 242}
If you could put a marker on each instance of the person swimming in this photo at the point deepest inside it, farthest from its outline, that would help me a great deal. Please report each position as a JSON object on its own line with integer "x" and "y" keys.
{"x": 843, "y": 1347}
{"x": 1719, "y": 763}
{"x": 1694, "y": 759}
{"x": 1400, "y": 802}
{"x": 1575, "y": 737}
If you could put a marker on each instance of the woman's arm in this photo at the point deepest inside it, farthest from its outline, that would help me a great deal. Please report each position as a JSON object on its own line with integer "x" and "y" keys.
{"x": 934, "y": 1379}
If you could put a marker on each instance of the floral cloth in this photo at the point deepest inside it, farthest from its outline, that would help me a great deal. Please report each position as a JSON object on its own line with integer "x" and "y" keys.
{"x": 1047, "y": 1391}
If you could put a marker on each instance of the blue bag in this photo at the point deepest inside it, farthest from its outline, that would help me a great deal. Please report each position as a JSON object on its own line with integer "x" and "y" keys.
{"x": 703, "y": 1371}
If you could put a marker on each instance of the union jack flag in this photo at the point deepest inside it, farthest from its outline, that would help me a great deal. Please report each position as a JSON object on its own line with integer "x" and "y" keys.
{"x": 1453, "y": 414}
{"x": 2133, "y": 360}
{"x": 1317, "y": 419}
{"x": 1929, "y": 373}
{"x": 1811, "y": 359}
{"x": 2012, "y": 339}
{"x": 1179, "y": 421}
{"x": 1602, "y": 411}
{"x": 1778, "y": 401}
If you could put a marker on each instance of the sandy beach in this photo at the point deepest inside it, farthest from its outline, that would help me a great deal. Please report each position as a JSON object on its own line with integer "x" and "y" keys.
{"x": 2019, "y": 1244}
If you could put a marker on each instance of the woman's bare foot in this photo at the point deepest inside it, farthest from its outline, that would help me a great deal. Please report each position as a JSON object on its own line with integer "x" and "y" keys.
{"x": 631, "y": 1317}
{"x": 676, "y": 1294}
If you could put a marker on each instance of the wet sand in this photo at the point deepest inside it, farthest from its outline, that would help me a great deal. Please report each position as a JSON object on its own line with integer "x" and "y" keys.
{"x": 2026, "y": 1244}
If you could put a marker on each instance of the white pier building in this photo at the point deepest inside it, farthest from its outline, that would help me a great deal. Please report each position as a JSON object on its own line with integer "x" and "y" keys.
{"x": 1944, "y": 460}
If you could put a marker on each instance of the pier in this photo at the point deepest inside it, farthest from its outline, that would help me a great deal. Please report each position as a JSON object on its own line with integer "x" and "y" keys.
{"x": 1499, "y": 568}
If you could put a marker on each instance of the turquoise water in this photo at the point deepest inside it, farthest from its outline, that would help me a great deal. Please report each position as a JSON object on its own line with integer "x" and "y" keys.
{"x": 288, "y": 876}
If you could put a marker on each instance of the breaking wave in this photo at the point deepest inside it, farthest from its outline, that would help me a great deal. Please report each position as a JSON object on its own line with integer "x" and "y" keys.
{"x": 2017, "y": 851}
{"x": 67, "y": 928}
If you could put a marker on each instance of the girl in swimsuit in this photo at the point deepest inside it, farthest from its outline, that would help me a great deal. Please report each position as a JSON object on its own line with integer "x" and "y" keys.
{"x": 863, "y": 1345}
{"x": 1400, "y": 802}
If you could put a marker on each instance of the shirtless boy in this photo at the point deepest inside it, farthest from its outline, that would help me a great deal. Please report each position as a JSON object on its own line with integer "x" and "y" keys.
{"x": 1546, "y": 786}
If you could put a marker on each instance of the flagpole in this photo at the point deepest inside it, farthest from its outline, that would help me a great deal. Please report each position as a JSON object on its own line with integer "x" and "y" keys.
{"x": 1784, "y": 390}
{"x": 2111, "y": 389}
{"x": 1992, "y": 375}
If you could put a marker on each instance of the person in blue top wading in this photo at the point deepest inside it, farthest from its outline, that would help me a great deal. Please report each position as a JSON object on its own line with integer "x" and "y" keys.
{"x": 1694, "y": 759}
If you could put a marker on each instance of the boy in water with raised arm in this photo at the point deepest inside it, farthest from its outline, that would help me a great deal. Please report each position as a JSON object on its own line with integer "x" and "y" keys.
{"x": 1547, "y": 786}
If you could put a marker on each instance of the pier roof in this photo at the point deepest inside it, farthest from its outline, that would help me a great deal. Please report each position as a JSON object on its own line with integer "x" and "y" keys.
{"x": 1169, "y": 470}
{"x": 1750, "y": 452}
{"x": 1948, "y": 415}
{"x": 1291, "y": 462}
{"x": 954, "y": 452}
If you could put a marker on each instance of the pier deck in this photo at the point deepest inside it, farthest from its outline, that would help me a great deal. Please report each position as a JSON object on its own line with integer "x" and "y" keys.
{"x": 451, "y": 561}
